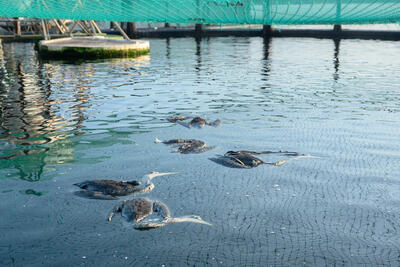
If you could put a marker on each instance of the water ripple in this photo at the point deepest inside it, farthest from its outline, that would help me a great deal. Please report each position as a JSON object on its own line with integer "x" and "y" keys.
{"x": 62, "y": 123}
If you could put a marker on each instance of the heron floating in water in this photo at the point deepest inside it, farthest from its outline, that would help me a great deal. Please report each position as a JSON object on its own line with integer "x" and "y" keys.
{"x": 197, "y": 122}
{"x": 111, "y": 189}
{"x": 245, "y": 158}
{"x": 186, "y": 146}
{"x": 138, "y": 210}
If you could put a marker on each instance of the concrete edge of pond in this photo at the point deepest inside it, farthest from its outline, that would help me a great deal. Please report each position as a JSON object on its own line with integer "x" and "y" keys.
{"x": 94, "y": 47}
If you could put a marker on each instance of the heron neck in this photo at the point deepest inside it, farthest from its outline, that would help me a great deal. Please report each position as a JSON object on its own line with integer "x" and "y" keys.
{"x": 148, "y": 187}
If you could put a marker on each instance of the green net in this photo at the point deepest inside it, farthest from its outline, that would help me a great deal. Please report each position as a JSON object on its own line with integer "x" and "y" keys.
{"x": 210, "y": 11}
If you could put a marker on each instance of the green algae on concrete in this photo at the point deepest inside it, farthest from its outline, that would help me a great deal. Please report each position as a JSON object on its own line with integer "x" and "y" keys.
{"x": 94, "y": 47}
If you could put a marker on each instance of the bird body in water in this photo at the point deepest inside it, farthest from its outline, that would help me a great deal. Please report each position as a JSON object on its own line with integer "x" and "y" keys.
{"x": 246, "y": 159}
{"x": 138, "y": 210}
{"x": 111, "y": 189}
{"x": 196, "y": 122}
{"x": 186, "y": 146}
{"x": 243, "y": 160}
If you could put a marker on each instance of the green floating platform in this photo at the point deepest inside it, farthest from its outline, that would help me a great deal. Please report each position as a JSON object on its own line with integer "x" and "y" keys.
{"x": 94, "y": 47}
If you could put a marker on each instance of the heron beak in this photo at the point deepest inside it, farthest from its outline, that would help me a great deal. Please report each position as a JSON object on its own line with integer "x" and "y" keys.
{"x": 165, "y": 173}
{"x": 204, "y": 222}
{"x": 155, "y": 174}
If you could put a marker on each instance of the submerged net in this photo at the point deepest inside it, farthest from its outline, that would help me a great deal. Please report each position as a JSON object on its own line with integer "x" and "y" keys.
{"x": 210, "y": 11}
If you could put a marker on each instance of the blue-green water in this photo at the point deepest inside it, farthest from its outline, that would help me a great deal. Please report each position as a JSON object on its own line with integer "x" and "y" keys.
{"x": 64, "y": 123}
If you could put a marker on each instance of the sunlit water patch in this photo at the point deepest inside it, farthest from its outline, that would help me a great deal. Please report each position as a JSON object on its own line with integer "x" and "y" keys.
{"x": 338, "y": 101}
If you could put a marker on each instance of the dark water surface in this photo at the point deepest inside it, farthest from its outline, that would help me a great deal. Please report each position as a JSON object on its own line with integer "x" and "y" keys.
{"x": 63, "y": 123}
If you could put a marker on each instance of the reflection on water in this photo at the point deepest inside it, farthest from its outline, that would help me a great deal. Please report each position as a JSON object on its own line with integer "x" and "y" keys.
{"x": 32, "y": 192}
{"x": 43, "y": 104}
{"x": 267, "y": 66}
{"x": 336, "y": 61}
{"x": 168, "y": 48}
{"x": 30, "y": 126}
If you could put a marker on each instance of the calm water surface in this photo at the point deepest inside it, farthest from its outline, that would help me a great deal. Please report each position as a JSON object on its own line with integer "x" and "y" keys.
{"x": 63, "y": 123}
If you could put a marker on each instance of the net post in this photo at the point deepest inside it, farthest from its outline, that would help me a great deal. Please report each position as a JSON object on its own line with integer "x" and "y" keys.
{"x": 337, "y": 27}
{"x": 198, "y": 29}
{"x": 267, "y": 31}
{"x": 17, "y": 26}
{"x": 131, "y": 30}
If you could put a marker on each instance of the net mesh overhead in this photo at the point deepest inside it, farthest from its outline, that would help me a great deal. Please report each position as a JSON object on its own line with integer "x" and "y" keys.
{"x": 210, "y": 11}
